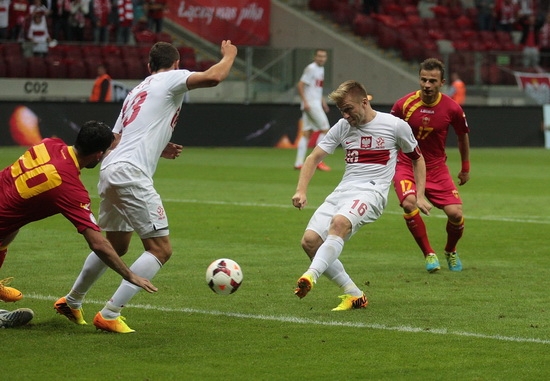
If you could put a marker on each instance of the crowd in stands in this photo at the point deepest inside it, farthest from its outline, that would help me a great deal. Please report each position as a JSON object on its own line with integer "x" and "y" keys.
{"x": 509, "y": 34}
{"x": 72, "y": 38}
{"x": 98, "y": 21}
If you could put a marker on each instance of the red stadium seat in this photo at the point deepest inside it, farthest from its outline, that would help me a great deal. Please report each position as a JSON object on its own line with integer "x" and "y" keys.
{"x": 115, "y": 68}
{"x": 111, "y": 51}
{"x": 135, "y": 69}
{"x": 76, "y": 69}
{"x": 163, "y": 36}
{"x": 16, "y": 67}
{"x": 10, "y": 49}
{"x": 36, "y": 67}
{"x": 56, "y": 68}
{"x": 3, "y": 70}
{"x": 145, "y": 37}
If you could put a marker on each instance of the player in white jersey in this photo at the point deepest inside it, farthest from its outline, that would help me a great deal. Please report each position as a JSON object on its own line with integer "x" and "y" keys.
{"x": 371, "y": 140}
{"x": 313, "y": 105}
{"x": 129, "y": 201}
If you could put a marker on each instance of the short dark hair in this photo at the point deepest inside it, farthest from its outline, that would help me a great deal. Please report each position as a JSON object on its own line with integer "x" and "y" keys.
{"x": 162, "y": 55}
{"x": 94, "y": 136}
{"x": 433, "y": 64}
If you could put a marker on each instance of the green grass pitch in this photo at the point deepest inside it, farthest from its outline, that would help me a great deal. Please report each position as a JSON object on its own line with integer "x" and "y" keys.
{"x": 489, "y": 322}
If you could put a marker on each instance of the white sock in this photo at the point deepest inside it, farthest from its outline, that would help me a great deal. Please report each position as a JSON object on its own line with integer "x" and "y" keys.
{"x": 147, "y": 265}
{"x": 327, "y": 253}
{"x": 337, "y": 274}
{"x": 92, "y": 270}
{"x": 301, "y": 151}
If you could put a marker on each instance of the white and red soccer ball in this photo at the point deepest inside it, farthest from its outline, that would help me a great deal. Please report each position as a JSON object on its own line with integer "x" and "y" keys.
{"x": 224, "y": 276}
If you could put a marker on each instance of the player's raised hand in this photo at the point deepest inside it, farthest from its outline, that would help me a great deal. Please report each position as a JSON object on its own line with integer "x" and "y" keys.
{"x": 228, "y": 49}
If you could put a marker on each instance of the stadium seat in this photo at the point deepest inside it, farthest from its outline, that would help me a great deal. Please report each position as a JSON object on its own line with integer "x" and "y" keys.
{"x": 135, "y": 69}
{"x": 10, "y": 49}
{"x": 189, "y": 63}
{"x": 76, "y": 69}
{"x": 56, "y": 68}
{"x": 129, "y": 51}
{"x": 36, "y": 67}
{"x": 115, "y": 68}
{"x": 73, "y": 52}
{"x": 111, "y": 51}
{"x": 16, "y": 67}
{"x": 2, "y": 68}
{"x": 145, "y": 37}
{"x": 163, "y": 36}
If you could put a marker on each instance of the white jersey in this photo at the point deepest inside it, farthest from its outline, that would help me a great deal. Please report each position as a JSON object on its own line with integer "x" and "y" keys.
{"x": 314, "y": 77}
{"x": 147, "y": 119}
{"x": 371, "y": 151}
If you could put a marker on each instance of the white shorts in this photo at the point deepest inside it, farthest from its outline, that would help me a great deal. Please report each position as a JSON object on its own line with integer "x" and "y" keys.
{"x": 129, "y": 202}
{"x": 315, "y": 119}
{"x": 359, "y": 206}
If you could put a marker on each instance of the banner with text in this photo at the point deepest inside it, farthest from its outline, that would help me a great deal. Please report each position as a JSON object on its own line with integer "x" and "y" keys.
{"x": 244, "y": 22}
{"x": 535, "y": 85}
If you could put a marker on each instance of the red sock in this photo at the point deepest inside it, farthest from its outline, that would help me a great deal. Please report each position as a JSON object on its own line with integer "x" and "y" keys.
{"x": 454, "y": 233}
{"x": 416, "y": 226}
{"x": 3, "y": 255}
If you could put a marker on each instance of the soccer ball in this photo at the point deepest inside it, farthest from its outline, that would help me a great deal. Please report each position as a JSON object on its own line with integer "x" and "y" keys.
{"x": 224, "y": 276}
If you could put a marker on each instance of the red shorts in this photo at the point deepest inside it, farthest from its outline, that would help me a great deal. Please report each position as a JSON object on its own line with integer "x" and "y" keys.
{"x": 440, "y": 187}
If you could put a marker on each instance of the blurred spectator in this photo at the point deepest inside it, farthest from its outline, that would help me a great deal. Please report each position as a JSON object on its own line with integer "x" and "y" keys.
{"x": 155, "y": 14}
{"x": 544, "y": 42}
{"x": 125, "y": 11}
{"x": 38, "y": 34}
{"x": 525, "y": 8}
{"x": 77, "y": 19}
{"x": 371, "y": 6}
{"x": 505, "y": 15}
{"x": 38, "y": 5}
{"x": 530, "y": 41}
{"x": 102, "y": 90}
{"x": 485, "y": 18}
{"x": 61, "y": 11}
{"x": 19, "y": 10}
{"x": 100, "y": 11}
{"x": 457, "y": 89}
{"x": 139, "y": 10}
{"x": 4, "y": 18}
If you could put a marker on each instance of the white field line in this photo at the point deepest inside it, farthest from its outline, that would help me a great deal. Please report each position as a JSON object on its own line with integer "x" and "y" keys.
{"x": 526, "y": 219}
{"x": 299, "y": 320}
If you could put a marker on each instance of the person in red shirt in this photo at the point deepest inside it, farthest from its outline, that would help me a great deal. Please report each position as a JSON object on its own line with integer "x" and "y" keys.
{"x": 155, "y": 14}
{"x": 430, "y": 113}
{"x": 19, "y": 9}
{"x": 45, "y": 181}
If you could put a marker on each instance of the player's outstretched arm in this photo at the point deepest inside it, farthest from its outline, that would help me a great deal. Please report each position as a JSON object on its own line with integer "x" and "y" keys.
{"x": 217, "y": 73}
{"x": 105, "y": 251}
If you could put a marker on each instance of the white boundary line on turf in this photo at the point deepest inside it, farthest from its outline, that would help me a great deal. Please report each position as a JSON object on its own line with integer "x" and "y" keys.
{"x": 263, "y": 205}
{"x": 332, "y": 323}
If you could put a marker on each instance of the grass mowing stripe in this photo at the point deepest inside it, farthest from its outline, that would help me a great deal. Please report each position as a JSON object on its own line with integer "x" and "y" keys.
{"x": 298, "y": 320}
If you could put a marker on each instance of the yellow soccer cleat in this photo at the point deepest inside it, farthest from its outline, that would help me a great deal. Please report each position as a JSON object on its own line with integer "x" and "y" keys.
{"x": 112, "y": 325}
{"x": 73, "y": 314}
{"x": 9, "y": 294}
{"x": 350, "y": 302}
{"x": 304, "y": 285}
